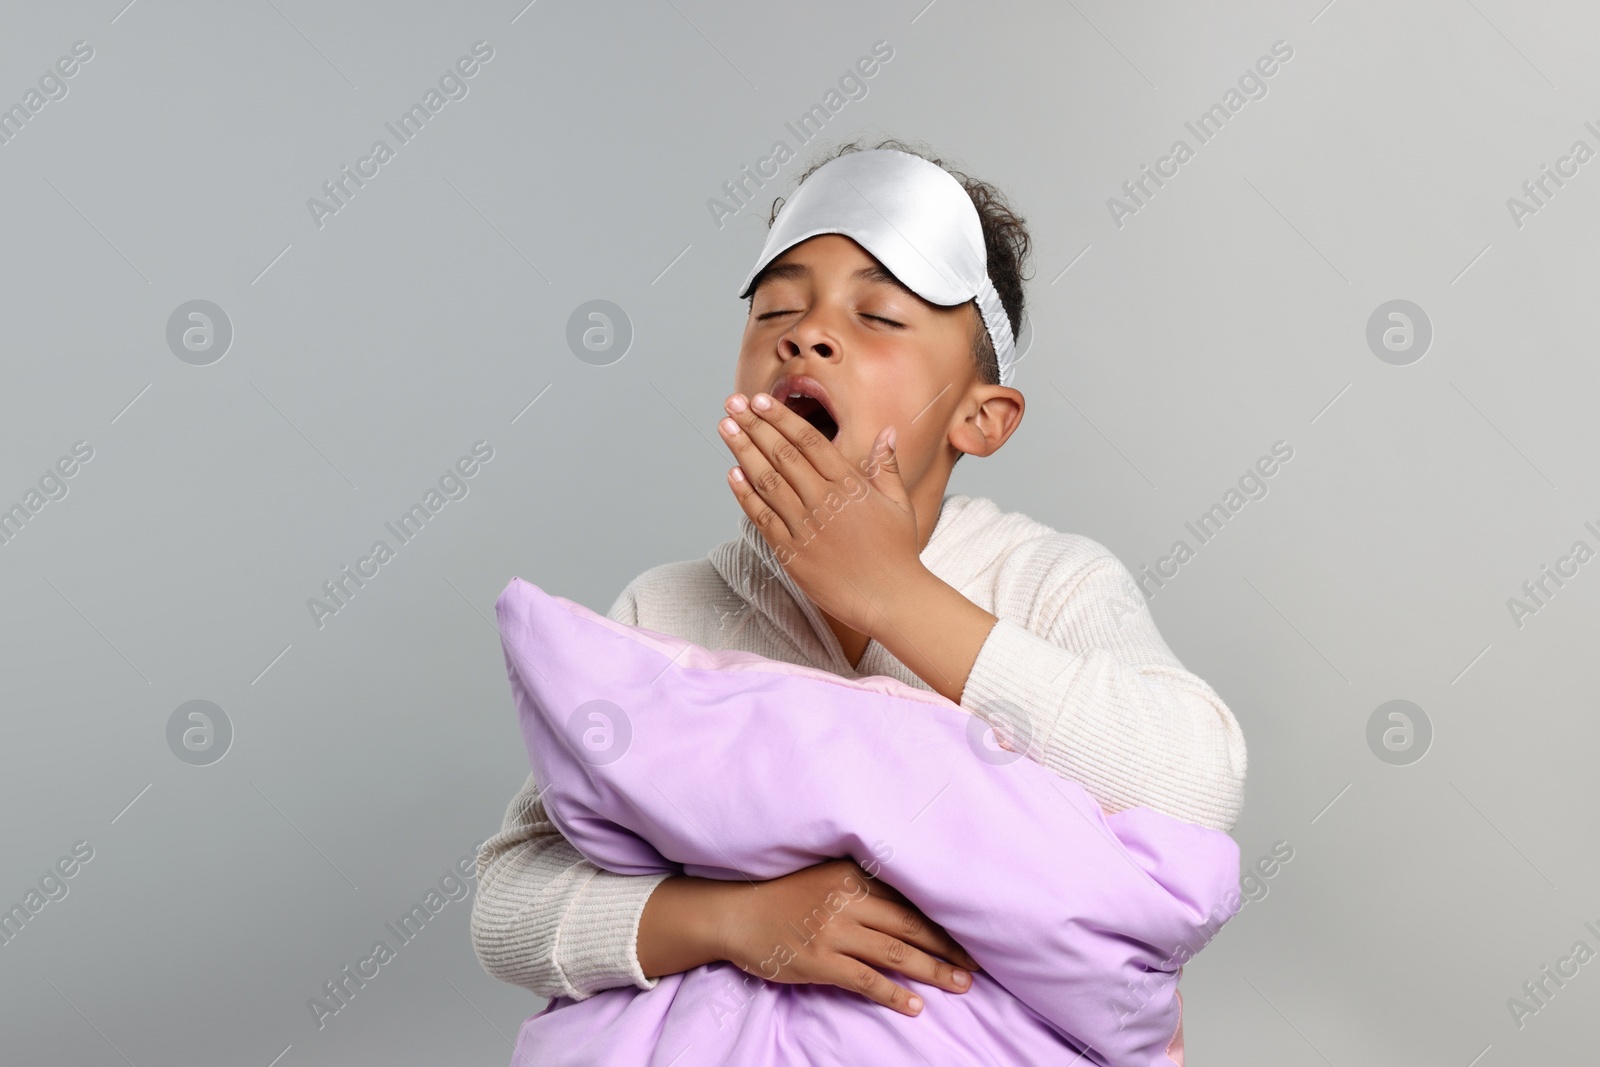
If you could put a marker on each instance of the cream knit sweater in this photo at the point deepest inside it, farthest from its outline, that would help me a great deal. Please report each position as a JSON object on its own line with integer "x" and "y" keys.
{"x": 1075, "y": 655}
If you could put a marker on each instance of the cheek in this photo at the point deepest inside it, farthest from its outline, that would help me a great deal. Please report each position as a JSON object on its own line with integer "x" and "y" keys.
{"x": 856, "y": 449}
{"x": 856, "y": 439}
{"x": 747, "y": 374}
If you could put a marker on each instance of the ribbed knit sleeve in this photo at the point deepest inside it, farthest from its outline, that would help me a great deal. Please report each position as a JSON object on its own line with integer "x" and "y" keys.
{"x": 1093, "y": 692}
{"x": 544, "y": 917}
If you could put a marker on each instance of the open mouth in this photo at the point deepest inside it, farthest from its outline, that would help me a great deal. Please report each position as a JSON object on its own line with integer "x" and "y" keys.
{"x": 811, "y": 409}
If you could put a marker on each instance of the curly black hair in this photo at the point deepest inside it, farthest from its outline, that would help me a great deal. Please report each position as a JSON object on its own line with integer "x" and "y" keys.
{"x": 1005, "y": 240}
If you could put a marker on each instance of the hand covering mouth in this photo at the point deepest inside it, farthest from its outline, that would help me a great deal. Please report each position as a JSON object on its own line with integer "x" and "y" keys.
{"x": 807, "y": 398}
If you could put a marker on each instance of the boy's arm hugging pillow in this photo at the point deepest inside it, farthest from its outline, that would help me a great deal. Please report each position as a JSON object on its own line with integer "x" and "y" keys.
{"x": 660, "y": 755}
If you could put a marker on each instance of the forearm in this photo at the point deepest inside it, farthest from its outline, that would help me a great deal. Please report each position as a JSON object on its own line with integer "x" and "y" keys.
{"x": 1133, "y": 735}
{"x": 548, "y": 920}
{"x": 932, "y": 628}
{"x": 1115, "y": 712}
{"x": 679, "y": 929}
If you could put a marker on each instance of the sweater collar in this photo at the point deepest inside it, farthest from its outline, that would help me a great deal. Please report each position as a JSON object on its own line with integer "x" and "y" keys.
{"x": 750, "y": 567}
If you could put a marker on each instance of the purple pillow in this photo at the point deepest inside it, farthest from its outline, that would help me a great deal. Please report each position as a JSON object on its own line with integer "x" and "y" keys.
{"x": 656, "y": 754}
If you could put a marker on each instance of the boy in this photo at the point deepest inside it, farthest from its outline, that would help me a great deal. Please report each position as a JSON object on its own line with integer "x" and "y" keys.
{"x": 863, "y": 377}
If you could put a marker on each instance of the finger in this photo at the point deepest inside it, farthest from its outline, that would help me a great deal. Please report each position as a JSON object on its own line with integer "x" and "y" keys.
{"x": 847, "y": 972}
{"x": 940, "y": 941}
{"x": 759, "y": 473}
{"x": 906, "y": 922}
{"x": 811, "y": 470}
{"x": 769, "y": 522}
{"x": 821, "y": 454}
{"x": 968, "y": 961}
{"x": 897, "y": 954}
{"x": 782, "y": 454}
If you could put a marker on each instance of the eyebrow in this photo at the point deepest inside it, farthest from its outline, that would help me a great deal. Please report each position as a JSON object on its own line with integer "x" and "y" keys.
{"x": 797, "y": 271}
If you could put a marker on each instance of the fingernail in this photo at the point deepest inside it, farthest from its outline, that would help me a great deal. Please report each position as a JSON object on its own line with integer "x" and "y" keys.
{"x": 915, "y": 1004}
{"x": 762, "y": 401}
{"x": 960, "y": 978}
{"x": 729, "y": 426}
{"x": 738, "y": 403}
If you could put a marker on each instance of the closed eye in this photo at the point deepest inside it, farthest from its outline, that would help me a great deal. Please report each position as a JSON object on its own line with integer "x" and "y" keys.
{"x": 774, "y": 314}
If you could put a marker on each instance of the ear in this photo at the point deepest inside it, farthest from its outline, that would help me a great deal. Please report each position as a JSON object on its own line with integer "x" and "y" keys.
{"x": 990, "y": 416}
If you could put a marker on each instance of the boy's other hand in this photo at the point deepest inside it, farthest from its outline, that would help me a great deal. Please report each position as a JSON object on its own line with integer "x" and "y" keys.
{"x": 847, "y": 537}
{"x": 855, "y": 924}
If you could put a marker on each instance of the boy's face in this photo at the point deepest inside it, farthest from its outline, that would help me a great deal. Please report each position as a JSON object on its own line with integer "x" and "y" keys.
{"x": 885, "y": 355}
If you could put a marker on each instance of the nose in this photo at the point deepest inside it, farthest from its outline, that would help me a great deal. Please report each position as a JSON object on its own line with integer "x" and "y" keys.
{"x": 810, "y": 335}
{"x": 793, "y": 350}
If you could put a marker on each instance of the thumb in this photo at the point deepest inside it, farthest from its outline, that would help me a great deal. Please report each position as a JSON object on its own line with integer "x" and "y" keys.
{"x": 884, "y": 473}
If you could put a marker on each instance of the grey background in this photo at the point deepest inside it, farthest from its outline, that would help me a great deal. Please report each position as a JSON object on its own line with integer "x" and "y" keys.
{"x": 368, "y": 355}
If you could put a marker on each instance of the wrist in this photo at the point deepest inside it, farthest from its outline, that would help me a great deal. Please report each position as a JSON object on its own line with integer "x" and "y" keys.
{"x": 724, "y": 916}
{"x": 932, "y": 628}
{"x": 911, "y": 594}
{"x": 680, "y": 927}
